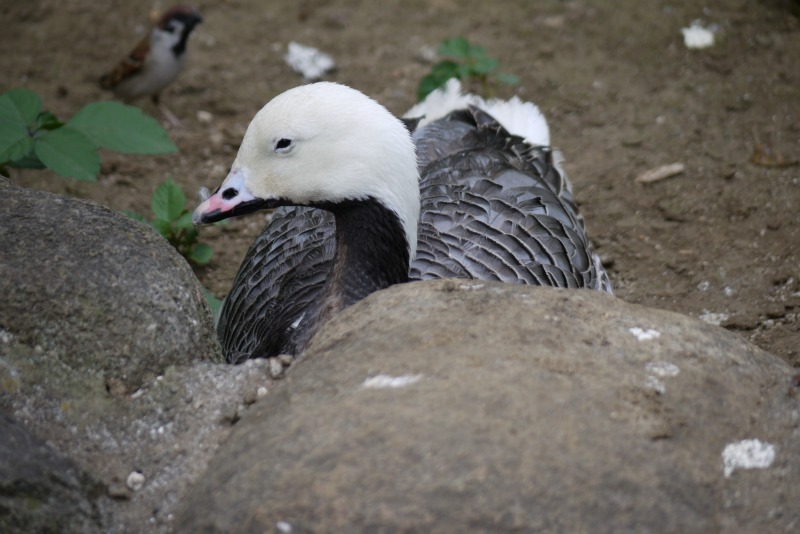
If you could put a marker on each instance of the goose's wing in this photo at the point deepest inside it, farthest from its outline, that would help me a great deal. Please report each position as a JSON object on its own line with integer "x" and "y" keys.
{"x": 278, "y": 285}
{"x": 497, "y": 208}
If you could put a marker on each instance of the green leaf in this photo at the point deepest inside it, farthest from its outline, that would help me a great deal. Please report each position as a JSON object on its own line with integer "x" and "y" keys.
{"x": 190, "y": 235}
{"x": 455, "y": 47}
{"x": 47, "y": 121}
{"x": 485, "y": 65}
{"x": 213, "y": 302}
{"x": 201, "y": 253}
{"x": 162, "y": 227}
{"x": 427, "y": 85}
{"x": 14, "y": 137}
{"x": 26, "y": 102}
{"x": 68, "y": 153}
{"x": 135, "y": 216}
{"x": 18, "y": 153}
{"x": 464, "y": 72}
{"x": 509, "y": 79}
{"x": 168, "y": 201}
{"x": 184, "y": 222}
{"x": 122, "y": 128}
{"x": 469, "y": 63}
{"x": 444, "y": 70}
{"x": 440, "y": 73}
{"x": 29, "y": 161}
{"x": 476, "y": 51}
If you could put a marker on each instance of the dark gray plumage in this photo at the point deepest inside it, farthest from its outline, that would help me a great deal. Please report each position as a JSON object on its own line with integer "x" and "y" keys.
{"x": 492, "y": 207}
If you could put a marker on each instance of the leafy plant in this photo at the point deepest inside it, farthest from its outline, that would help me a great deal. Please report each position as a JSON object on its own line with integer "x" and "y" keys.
{"x": 214, "y": 303}
{"x": 173, "y": 220}
{"x": 32, "y": 138}
{"x": 467, "y": 62}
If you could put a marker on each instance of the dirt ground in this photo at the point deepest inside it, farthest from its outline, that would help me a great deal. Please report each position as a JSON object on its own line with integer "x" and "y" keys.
{"x": 621, "y": 92}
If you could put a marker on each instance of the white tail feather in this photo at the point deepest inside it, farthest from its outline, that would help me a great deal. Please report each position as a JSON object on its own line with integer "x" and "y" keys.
{"x": 518, "y": 117}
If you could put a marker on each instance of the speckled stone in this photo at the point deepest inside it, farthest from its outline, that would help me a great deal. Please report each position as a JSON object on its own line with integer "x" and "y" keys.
{"x": 459, "y": 406}
{"x": 88, "y": 288}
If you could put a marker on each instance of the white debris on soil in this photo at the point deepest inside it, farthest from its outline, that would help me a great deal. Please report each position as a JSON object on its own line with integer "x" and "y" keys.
{"x": 644, "y": 335}
{"x": 728, "y": 291}
{"x": 308, "y": 61}
{"x": 747, "y": 454}
{"x": 705, "y": 285}
{"x": 713, "y": 318}
{"x": 656, "y": 370}
{"x": 655, "y": 384}
{"x": 660, "y": 173}
{"x": 698, "y": 36}
{"x": 662, "y": 368}
{"x": 283, "y": 527}
{"x": 387, "y": 382}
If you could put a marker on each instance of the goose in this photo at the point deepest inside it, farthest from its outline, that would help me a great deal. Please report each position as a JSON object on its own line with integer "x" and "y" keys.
{"x": 366, "y": 200}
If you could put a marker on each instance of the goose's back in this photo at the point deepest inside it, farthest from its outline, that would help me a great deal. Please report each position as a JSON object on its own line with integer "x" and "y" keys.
{"x": 496, "y": 208}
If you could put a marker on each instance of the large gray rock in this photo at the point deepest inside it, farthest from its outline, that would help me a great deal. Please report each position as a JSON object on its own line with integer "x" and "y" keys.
{"x": 41, "y": 490}
{"x": 92, "y": 290}
{"x": 477, "y": 407}
{"x": 143, "y": 449}
{"x": 106, "y": 352}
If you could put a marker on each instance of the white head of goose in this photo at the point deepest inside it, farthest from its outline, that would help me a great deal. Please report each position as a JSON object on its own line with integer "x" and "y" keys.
{"x": 347, "y": 180}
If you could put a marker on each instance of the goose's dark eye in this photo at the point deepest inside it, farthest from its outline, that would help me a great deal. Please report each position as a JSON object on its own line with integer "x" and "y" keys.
{"x": 283, "y": 144}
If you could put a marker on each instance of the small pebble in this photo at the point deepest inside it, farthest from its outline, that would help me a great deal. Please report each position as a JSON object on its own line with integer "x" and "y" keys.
{"x": 5, "y": 336}
{"x": 216, "y": 138}
{"x": 135, "y": 481}
{"x": 231, "y": 414}
{"x": 275, "y": 368}
{"x": 204, "y": 116}
{"x": 250, "y": 397}
{"x": 116, "y": 387}
{"x": 253, "y": 395}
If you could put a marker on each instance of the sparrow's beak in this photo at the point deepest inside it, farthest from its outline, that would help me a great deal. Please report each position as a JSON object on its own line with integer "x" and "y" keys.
{"x": 231, "y": 199}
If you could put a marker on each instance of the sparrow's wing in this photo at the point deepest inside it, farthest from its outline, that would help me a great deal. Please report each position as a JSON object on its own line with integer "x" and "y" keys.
{"x": 129, "y": 66}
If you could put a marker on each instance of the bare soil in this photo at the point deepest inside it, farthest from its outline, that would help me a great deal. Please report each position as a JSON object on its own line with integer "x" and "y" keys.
{"x": 621, "y": 91}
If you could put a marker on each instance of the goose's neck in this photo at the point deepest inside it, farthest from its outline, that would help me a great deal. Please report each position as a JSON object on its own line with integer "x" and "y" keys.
{"x": 371, "y": 254}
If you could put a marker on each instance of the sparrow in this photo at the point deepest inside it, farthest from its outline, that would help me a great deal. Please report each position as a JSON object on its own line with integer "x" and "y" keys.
{"x": 157, "y": 59}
